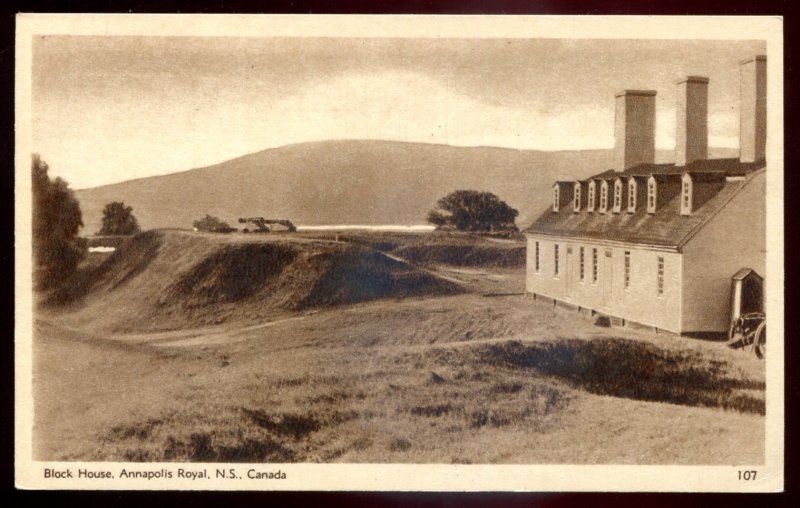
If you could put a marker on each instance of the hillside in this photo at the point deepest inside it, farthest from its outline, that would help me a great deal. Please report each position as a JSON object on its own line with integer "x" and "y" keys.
{"x": 166, "y": 280}
{"x": 344, "y": 182}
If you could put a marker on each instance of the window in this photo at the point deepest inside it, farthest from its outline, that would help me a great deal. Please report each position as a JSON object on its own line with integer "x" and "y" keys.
{"x": 590, "y": 201}
{"x": 536, "y": 258}
{"x": 577, "y": 197}
{"x": 627, "y": 278}
{"x": 660, "y": 277}
{"x": 603, "y": 197}
{"x": 686, "y": 195}
{"x": 617, "y": 196}
{"x": 555, "y": 259}
{"x": 632, "y": 196}
{"x": 594, "y": 266}
{"x": 651, "y": 196}
{"x": 582, "y": 271}
{"x": 555, "y": 198}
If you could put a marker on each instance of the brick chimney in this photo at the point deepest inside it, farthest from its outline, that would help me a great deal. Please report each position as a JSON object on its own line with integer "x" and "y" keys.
{"x": 753, "y": 109}
{"x": 691, "y": 126}
{"x": 634, "y": 128}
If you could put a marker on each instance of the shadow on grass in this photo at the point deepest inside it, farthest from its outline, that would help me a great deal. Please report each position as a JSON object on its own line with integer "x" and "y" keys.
{"x": 296, "y": 426}
{"x": 231, "y": 274}
{"x": 132, "y": 257}
{"x": 197, "y": 446}
{"x": 359, "y": 274}
{"x": 251, "y": 436}
{"x": 633, "y": 370}
{"x": 200, "y": 447}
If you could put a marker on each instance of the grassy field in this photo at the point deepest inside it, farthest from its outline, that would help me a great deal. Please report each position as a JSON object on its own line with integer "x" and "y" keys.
{"x": 475, "y": 374}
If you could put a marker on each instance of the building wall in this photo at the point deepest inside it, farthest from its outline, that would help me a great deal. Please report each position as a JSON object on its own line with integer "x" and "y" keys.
{"x": 735, "y": 238}
{"x": 639, "y": 302}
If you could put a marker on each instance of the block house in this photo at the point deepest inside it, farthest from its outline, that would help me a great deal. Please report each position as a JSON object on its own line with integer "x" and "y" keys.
{"x": 662, "y": 245}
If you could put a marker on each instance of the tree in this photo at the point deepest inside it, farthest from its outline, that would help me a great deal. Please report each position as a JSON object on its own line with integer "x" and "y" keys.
{"x": 57, "y": 218}
{"x": 118, "y": 219}
{"x": 469, "y": 210}
{"x": 210, "y": 223}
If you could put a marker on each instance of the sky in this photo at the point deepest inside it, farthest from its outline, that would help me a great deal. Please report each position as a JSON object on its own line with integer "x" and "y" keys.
{"x": 108, "y": 109}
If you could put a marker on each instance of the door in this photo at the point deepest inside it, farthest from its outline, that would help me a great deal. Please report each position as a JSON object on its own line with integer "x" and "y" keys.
{"x": 747, "y": 293}
{"x": 568, "y": 273}
{"x": 608, "y": 277}
{"x": 752, "y": 294}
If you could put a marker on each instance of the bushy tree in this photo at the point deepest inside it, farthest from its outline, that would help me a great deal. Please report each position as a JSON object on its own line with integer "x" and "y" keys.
{"x": 469, "y": 210}
{"x": 211, "y": 223}
{"x": 57, "y": 218}
{"x": 118, "y": 219}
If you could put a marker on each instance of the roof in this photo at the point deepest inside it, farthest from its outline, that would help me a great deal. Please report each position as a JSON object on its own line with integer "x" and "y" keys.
{"x": 731, "y": 167}
{"x": 665, "y": 228}
{"x": 744, "y": 273}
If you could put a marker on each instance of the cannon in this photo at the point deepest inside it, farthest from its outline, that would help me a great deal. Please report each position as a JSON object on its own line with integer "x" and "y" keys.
{"x": 749, "y": 331}
{"x": 266, "y": 225}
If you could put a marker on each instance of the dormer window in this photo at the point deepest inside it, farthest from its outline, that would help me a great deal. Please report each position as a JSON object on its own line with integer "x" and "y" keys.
{"x": 686, "y": 194}
{"x": 632, "y": 195}
{"x": 576, "y": 197}
{"x": 617, "y": 195}
{"x": 651, "y": 195}
{"x": 603, "y": 196}
{"x": 590, "y": 201}
{"x": 556, "y": 197}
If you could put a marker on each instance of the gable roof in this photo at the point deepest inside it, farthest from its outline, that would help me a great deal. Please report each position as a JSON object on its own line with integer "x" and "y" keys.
{"x": 665, "y": 228}
{"x": 744, "y": 273}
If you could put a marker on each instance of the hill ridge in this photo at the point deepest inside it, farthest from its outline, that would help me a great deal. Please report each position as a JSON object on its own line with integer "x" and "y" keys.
{"x": 353, "y": 140}
{"x": 353, "y": 181}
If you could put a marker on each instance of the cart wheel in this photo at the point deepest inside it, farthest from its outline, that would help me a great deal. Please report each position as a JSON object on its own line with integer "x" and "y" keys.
{"x": 735, "y": 330}
{"x": 760, "y": 340}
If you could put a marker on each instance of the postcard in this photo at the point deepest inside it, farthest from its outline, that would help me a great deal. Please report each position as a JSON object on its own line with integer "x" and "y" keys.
{"x": 399, "y": 253}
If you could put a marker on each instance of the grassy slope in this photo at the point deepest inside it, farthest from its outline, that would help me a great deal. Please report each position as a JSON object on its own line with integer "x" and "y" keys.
{"x": 401, "y": 382}
{"x": 464, "y": 378}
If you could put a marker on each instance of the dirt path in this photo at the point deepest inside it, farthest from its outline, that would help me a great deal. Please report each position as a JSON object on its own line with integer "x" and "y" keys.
{"x": 178, "y": 338}
{"x": 433, "y": 273}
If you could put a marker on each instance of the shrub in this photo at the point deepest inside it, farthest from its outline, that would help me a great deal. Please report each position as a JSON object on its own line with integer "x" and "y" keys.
{"x": 57, "y": 218}
{"x": 118, "y": 219}
{"x": 210, "y": 223}
{"x": 469, "y": 210}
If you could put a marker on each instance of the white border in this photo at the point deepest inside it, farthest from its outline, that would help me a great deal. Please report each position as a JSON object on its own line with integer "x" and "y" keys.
{"x": 420, "y": 477}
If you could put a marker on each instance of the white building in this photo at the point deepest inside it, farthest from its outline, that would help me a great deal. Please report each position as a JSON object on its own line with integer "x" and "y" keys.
{"x": 660, "y": 244}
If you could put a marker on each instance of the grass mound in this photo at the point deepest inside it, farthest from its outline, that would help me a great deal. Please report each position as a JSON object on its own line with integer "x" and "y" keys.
{"x": 357, "y": 274}
{"x": 634, "y": 370}
{"x": 166, "y": 280}
{"x": 440, "y": 247}
{"x": 490, "y": 256}
{"x": 230, "y": 274}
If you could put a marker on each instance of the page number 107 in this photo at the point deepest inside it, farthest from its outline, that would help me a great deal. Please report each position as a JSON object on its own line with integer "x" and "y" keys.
{"x": 747, "y": 475}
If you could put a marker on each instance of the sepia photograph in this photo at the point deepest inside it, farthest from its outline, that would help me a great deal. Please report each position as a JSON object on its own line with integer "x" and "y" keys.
{"x": 399, "y": 253}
